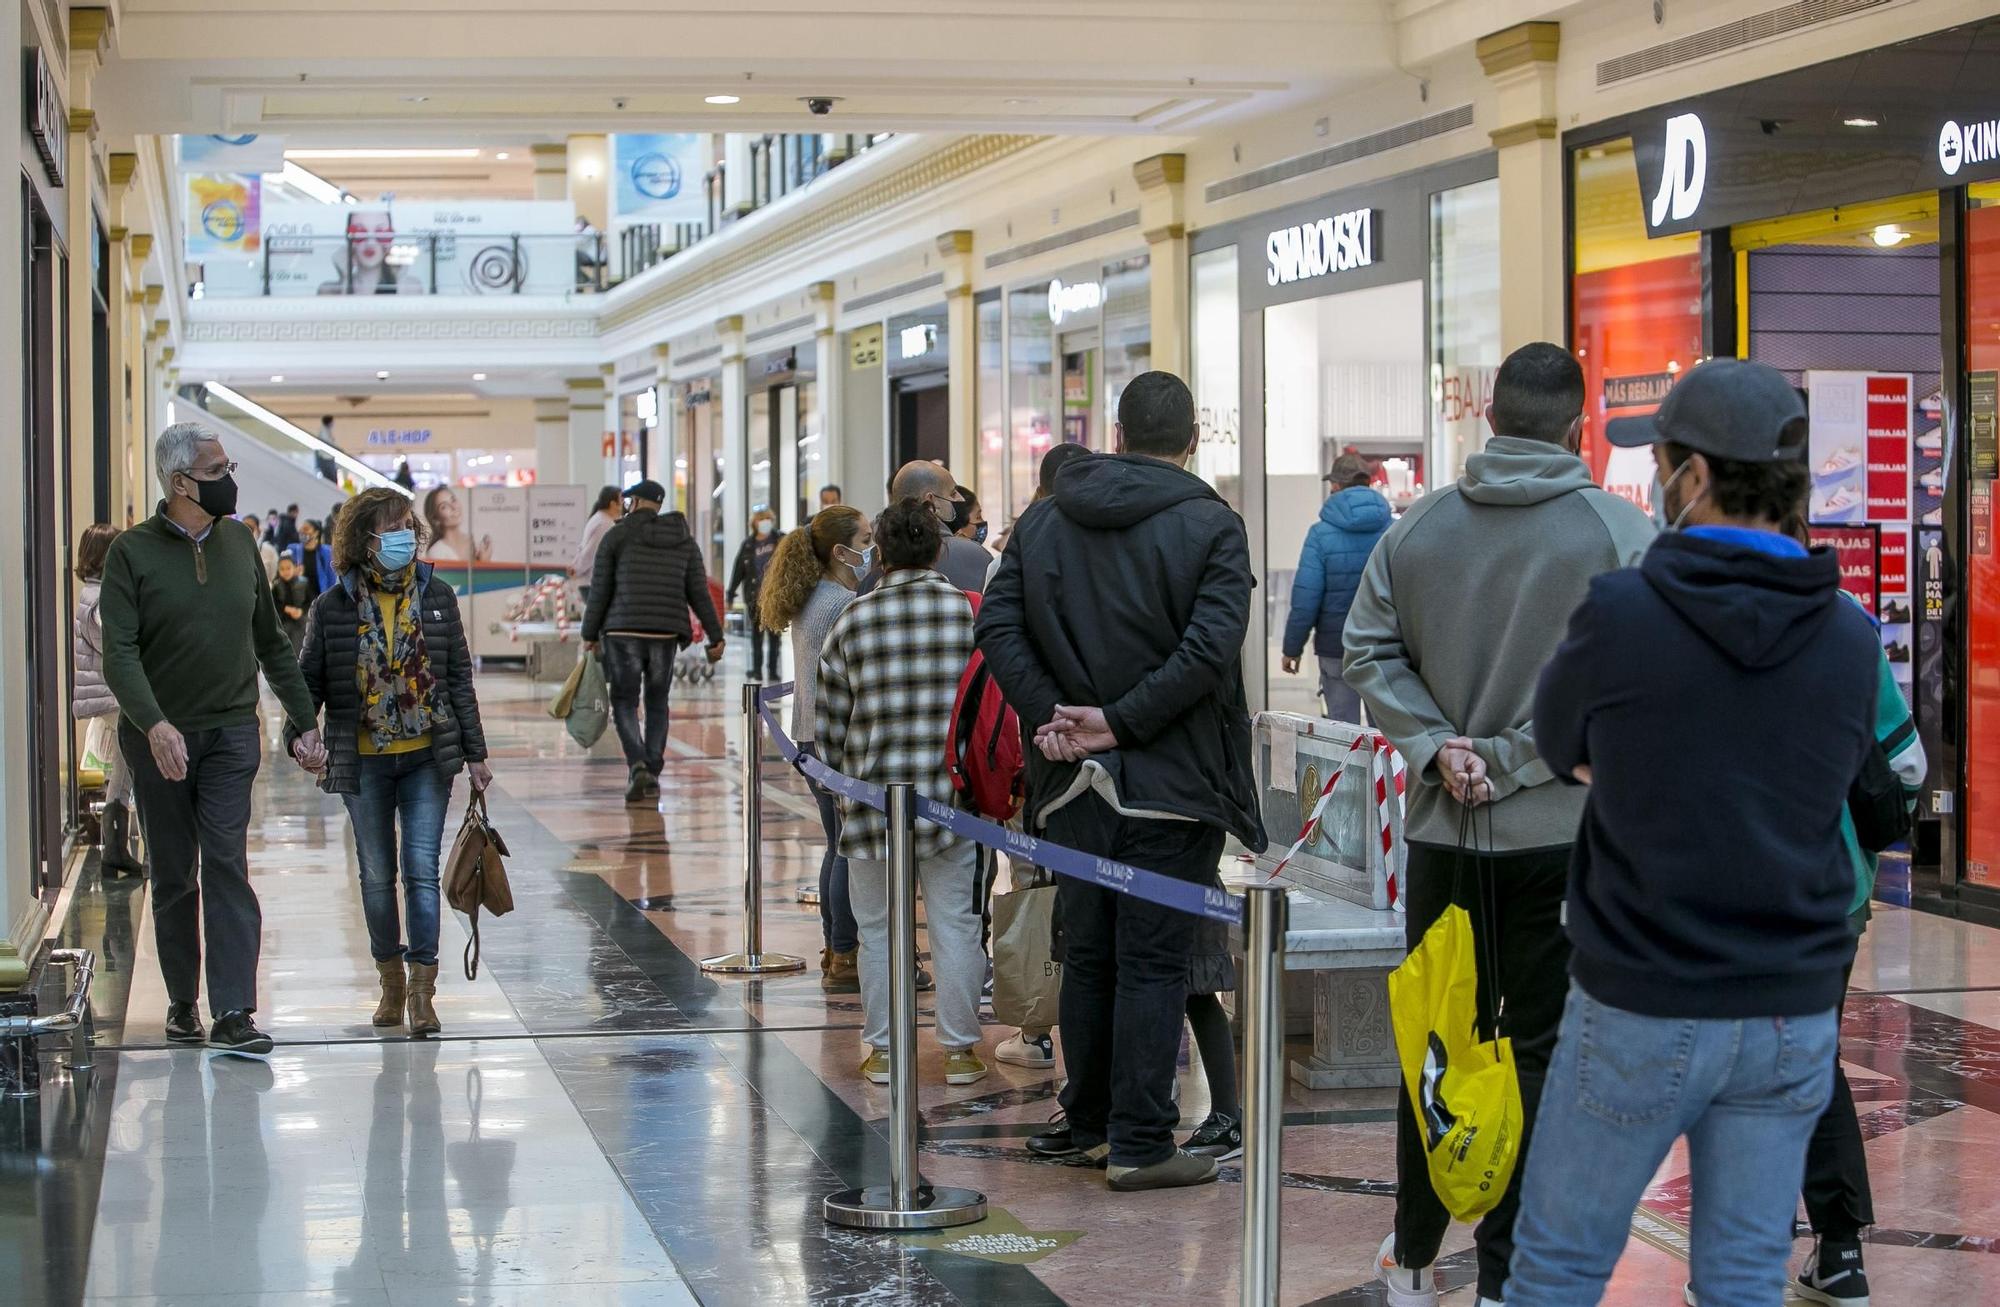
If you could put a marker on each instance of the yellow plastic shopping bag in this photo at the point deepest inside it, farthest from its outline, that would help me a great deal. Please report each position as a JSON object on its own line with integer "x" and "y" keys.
{"x": 1464, "y": 1089}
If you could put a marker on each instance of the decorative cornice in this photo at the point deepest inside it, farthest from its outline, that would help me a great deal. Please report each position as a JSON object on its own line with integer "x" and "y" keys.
{"x": 1535, "y": 129}
{"x": 166, "y": 355}
{"x": 1160, "y": 170}
{"x": 734, "y": 322}
{"x": 1173, "y": 231}
{"x": 119, "y": 167}
{"x": 88, "y": 29}
{"x": 1519, "y": 45}
{"x": 82, "y": 122}
{"x": 140, "y": 245}
{"x": 896, "y": 186}
{"x": 154, "y": 294}
{"x": 323, "y": 331}
{"x": 117, "y": 235}
{"x": 550, "y": 158}
{"x": 821, "y": 291}
{"x": 954, "y": 242}
{"x": 581, "y": 385}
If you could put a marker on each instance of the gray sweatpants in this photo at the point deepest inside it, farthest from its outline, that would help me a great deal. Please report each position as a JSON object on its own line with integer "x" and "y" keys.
{"x": 1342, "y": 703}
{"x": 951, "y": 919}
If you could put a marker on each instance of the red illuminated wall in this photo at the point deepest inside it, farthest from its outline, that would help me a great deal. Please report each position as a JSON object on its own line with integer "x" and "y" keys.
{"x": 1982, "y": 598}
{"x": 1631, "y": 322}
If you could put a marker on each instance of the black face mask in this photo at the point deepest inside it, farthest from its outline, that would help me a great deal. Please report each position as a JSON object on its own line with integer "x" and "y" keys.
{"x": 216, "y": 498}
{"x": 979, "y": 534}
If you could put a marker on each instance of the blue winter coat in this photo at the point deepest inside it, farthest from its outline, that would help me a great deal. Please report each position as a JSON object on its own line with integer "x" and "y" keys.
{"x": 1337, "y": 548}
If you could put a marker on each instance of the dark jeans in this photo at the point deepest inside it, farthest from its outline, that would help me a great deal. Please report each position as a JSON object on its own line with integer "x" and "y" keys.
{"x": 1839, "y": 1201}
{"x": 639, "y": 669}
{"x": 1125, "y": 979}
{"x": 406, "y": 790}
{"x": 1528, "y": 889}
{"x": 197, "y": 835}
{"x": 763, "y": 651}
{"x": 836, "y": 910}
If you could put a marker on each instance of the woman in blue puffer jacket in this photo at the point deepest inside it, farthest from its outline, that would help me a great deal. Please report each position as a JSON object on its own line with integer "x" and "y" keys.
{"x": 1337, "y": 547}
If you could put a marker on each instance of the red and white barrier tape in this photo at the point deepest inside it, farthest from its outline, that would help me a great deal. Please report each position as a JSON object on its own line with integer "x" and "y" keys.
{"x": 1388, "y": 777}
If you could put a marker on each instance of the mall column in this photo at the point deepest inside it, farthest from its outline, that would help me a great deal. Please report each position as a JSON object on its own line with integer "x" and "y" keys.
{"x": 586, "y": 433}
{"x": 1163, "y": 220}
{"x": 552, "y": 441}
{"x": 118, "y": 170}
{"x": 1520, "y": 61}
{"x": 89, "y": 33}
{"x": 962, "y": 358}
{"x": 830, "y": 375}
{"x": 735, "y": 452}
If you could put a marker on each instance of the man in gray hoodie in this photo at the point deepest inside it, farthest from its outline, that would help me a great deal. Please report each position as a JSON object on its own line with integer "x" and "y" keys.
{"x": 1461, "y": 604}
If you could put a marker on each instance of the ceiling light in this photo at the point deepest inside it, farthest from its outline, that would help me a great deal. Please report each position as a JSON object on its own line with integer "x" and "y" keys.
{"x": 314, "y": 185}
{"x": 1859, "y": 121}
{"x": 277, "y": 377}
{"x": 501, "y": 155}
{"x": 396, "y": 153}
{"x": 479, "y": 376}
{"x": 722, "y": 99}
{"x": 416, "y": 99}
{"x": 381, "y": 376}
{"x": 1889, "y": 235}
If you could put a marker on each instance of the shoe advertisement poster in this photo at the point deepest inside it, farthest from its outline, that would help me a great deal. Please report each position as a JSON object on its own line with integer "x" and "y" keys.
{"x": 1861, "y": 432}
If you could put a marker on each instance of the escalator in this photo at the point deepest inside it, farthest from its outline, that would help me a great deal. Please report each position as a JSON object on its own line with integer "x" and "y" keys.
{"x": 278, "y": 462}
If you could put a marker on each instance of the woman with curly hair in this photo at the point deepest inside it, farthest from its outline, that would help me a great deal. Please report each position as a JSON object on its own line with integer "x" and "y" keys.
{"x": 385, "y": 653}
{"x": 810, "y": 582}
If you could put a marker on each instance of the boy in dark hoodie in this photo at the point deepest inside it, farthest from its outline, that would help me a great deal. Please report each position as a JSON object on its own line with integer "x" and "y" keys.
{"x": 1719, "y": 700}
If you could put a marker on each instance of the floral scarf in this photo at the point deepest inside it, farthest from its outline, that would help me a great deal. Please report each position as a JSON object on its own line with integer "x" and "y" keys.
{"x": 393, "y": 667}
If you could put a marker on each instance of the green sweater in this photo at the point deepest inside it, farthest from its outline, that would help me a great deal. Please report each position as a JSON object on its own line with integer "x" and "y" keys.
{"x": 186, "y": 626}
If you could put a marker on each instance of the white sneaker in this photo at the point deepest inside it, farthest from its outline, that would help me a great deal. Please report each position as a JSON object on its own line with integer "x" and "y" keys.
{"x": 1404, "y": 1286}
{"x": 1490, "y": 1302}
{"x": 1020, "y": 1051}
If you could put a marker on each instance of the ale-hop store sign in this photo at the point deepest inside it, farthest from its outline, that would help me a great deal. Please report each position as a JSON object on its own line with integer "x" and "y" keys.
{"x": 1341, "y": 243}
{"x": 1073, "y": 299}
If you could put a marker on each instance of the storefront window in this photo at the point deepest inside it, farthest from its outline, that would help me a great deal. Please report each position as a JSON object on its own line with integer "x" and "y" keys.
{"x": 990, "y": 350}
{"x": 1465, "y": 321}
{"x": 812, "y": 451}
{"x": 1218, "y": 372}
{"x": 1982, "y": 569}
{"x": 1128, "y": 333}
{"x": 1342, "y": 373}
{"x": 758, "y": 437}
{"x": 1637, "y": 311}
{"x": 1031, "y": 391}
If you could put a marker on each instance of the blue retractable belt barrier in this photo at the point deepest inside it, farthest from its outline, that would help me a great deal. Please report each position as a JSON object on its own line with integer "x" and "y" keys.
{"x": 1185, "y": 896}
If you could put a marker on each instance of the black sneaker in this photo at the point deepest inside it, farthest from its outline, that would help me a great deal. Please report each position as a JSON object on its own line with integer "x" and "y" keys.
{"x": 184, "y": 1024}
{"x": 652, "y": 784}
{"x": 1219, "y": 1137}
{"x": 1833, "y": 1274}
{"x": 1057, "y": 1141}
{"x": 237, "y": 1033}
{"x": 636, "y": 787}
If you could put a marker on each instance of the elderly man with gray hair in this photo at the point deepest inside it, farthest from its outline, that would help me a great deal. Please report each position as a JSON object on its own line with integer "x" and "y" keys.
{"x": 188, "y": 621}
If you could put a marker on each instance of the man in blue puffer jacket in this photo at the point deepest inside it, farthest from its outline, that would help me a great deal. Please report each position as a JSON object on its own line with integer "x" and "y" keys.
{"x": 1351, "y": 520}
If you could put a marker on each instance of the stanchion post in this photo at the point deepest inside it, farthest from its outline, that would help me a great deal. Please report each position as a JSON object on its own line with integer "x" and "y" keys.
{"x": 907, "y": 1202}
{"x": 753, "y": 960}
{"x": 1264, "y": 924}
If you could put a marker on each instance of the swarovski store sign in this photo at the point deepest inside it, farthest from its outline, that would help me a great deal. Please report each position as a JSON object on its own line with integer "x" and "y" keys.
{"x": 1922, "y": 115}
{"x": 1315, "y": 249}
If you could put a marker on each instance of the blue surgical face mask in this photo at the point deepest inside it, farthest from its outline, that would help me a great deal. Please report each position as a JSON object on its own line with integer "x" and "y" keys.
{"x": 867, "y": 560}
{"x": 396, "y": 550}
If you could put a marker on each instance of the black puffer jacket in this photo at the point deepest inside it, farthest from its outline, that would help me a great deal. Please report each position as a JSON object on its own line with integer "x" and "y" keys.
{"x": 333, "y": 644}
{"x": 648, "y": 574}
{"x": 1129, "y": 591}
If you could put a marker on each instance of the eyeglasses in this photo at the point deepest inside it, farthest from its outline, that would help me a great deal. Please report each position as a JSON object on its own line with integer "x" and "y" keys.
{"x": 227, "y": 469}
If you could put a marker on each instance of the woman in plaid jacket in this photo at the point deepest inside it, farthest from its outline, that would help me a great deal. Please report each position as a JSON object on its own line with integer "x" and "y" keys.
{"x": 888, "y": 676}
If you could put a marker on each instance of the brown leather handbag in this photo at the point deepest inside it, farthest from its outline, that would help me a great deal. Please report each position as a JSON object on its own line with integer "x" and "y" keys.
{"x": 476, "y": 877}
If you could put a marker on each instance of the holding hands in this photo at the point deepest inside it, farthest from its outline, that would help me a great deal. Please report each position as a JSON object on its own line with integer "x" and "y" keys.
{"x": 1073, "y": 734}
{"x": 310, "y": 752}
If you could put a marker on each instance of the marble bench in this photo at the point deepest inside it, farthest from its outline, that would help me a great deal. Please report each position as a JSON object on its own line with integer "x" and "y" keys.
{"x": 1345, "y": 952}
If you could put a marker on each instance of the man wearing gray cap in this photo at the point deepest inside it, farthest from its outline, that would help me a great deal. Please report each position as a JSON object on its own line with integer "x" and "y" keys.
{"x": 1719, "y": 702}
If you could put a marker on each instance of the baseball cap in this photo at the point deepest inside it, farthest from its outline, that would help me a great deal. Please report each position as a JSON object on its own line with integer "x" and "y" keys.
{"x": 1348, "y": 469}
{"x": 1728, "y": 408}
{"x": 651, "y": 491}
{"x": 1052, "y": 463}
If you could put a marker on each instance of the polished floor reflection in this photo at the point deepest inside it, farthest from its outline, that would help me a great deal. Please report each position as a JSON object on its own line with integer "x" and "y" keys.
{"x": 604, "y": 1124}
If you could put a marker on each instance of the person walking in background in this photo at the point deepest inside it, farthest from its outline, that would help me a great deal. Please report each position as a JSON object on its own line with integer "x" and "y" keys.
{"x": 747, "y": 579}
{"x": 315, "y": 560}
{"x": 288, "y": 527}
{"x": 266, "y": 551}
{"x": 604, "y": 515}
{"x": 95, "y": 705}
{"x": 385, "y": 653}
{"x": 647, "y": 575}
{"x": 1115, "y": 626}
{"x": 292, "y": 599}
{"x": 188, "y": 623}
{"x": 1710, "y": 893}
{"x": 810, "y": 583}
{"x": 1448, "y": 675}
{"x": 888, "y": 677}
{"x": 1337, "y": 546}
{"x": 271, "y": 529}
{"x": 829, "y": 497}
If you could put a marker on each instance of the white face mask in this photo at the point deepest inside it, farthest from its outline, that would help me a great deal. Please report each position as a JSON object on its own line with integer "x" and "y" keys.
{"x": 861, "y": 560}
{"x": 1660, "y": 500}
{"x": 765, "y": 527}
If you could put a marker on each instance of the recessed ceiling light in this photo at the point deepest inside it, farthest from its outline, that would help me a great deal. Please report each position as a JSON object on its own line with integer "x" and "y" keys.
{"x": 1889, "y": 235}
{"x": 722, "y": 99}
{"x": 479, "y": 376}
{"x": 416, "y": 99}
{"x": 1017, "y": 100}
{"x": 381, "y": 376}
{"x": 501, "y": 155}
{"x": 1861, "y": 122}
{"x": 276, "y": 377}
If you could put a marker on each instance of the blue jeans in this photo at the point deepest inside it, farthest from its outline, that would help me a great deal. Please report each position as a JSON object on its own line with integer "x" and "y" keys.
{"x": 1621, "y": 1089}
{"x": 836, "y": 909}
{"x": 403, "y": 789}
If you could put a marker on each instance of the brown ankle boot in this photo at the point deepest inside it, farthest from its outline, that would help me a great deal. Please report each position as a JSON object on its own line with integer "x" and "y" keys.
{"x": 423, "y": 984}
{"x": 389, "y": 1012}
{"x": 841, "y": 973}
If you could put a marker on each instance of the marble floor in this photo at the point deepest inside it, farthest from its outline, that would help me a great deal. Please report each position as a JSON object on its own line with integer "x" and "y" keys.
{"x": 603, "y": 1123}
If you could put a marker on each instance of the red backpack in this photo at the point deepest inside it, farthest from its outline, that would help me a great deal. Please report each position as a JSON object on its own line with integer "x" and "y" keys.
{"x": 985, "y": 749}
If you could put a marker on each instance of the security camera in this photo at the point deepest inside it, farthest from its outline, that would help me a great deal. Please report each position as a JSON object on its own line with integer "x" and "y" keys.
{"x": 821, "y": 105}
{"x": 618, "y": 102}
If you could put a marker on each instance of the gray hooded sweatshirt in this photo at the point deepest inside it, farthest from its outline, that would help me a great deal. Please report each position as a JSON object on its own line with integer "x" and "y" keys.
{"x": 1461, "y": 604}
